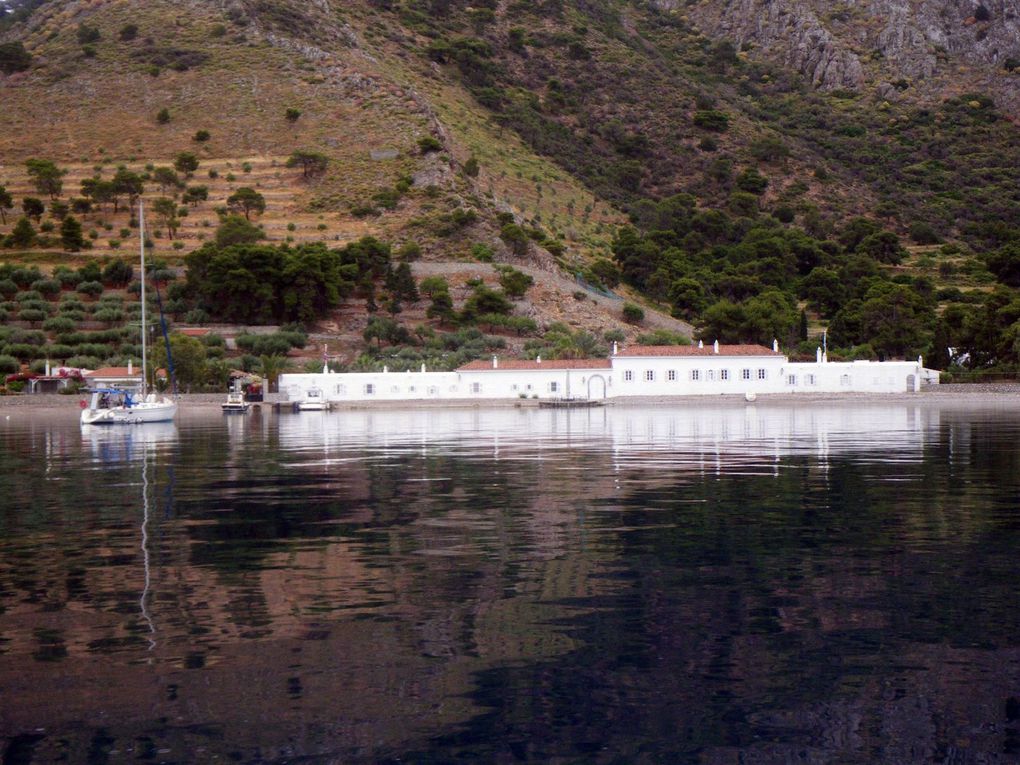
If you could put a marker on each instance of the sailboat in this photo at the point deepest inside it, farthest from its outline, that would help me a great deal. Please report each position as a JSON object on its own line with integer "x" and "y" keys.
{"x": 113, "y": 406}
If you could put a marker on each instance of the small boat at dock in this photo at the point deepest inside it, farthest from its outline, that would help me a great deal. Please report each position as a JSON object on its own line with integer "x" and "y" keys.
{"x": 313, "y": 401}
{"x": 235, "y": 403}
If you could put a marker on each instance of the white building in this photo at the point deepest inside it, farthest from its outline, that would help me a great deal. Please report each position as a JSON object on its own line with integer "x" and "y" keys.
{"x": 670, "y": 370}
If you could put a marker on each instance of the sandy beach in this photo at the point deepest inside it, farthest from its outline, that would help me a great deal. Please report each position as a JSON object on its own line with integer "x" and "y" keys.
{"x": 988, "y": 394}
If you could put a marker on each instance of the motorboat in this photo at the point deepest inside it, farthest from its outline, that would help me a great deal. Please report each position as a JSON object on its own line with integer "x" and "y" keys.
{"x": 313, "y": 401}
{"x": 235, "y": 403}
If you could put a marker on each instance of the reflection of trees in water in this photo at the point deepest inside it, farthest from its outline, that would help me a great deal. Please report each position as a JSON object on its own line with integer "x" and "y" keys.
{"x": 825, "y": 612}
{"x": 587, "y": 605}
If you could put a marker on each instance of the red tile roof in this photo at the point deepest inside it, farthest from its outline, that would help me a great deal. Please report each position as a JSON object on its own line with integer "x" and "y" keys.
{"x": 513, "y": 364}
{"x": 193, "y": 331}
{"x": 115, "y": 372}
{"x": 693, "y": 350}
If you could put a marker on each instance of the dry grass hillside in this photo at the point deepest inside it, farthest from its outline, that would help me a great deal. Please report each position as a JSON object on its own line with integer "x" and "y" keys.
{"x": 236, "y": 80}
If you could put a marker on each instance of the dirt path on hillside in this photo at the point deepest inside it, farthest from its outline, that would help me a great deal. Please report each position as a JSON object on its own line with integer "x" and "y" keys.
{"x": 552, "y": 289}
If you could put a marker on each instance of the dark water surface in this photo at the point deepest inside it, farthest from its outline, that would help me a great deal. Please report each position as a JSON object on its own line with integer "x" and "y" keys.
{"x": 690, "y": 584}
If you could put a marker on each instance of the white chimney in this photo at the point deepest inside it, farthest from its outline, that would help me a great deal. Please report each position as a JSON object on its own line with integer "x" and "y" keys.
{"x": 423, "y": 368}
{"x": 385, "y": 370}
{"x": 818, "y": 354}
{"x": 615, "y": 348}
{"x": 701, "y": 343}
{"x": 538, "y": 359}
{"x": 47, "y": 367}
{"x": 495, "y": 362}
{"x": 715, "y": 346}
{"x": 775, "y": 345}
{"x": 131, "y": 369}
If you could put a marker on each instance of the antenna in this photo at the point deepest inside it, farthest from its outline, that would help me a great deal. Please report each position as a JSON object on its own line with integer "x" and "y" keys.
{"x": 141, "y": 247}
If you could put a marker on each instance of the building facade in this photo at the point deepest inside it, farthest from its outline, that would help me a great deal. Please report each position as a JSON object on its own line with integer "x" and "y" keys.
{"x": 629, "y": 372}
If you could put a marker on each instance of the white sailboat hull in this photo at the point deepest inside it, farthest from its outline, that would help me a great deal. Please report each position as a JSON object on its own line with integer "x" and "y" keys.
{"x": 144, "y": 411}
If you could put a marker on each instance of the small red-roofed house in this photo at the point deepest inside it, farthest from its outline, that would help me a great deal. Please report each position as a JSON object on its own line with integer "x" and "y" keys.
{"x": 114, "y": 377}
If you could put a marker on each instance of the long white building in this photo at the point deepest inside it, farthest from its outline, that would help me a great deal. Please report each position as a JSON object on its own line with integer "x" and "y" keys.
{"x": 639, "y": 370}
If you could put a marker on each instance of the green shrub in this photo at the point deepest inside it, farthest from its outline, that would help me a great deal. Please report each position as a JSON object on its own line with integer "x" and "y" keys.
{"x": 23, "y": 276}
{"x": 87, "y": 34}
{"x": 108, "y": 315}
{"x": 711, "y": 119}
{"x": 59, "y": 324}
{"x": 67, "y": 277}
{"x": 31, "y": 315}
{"x": 409, "y": 251}
{"x": 923, "y": 233}
{"x": 751, "y": 181}
{"x": 387, "y": 199}
{"x": 633, "y": 314}
{"x": 429, "y": 144}
{"x": 22, "y": 351}
{"x": 84, "y": 362}
{"x": 663, "y": 337}
{"x": 92, "y": 289}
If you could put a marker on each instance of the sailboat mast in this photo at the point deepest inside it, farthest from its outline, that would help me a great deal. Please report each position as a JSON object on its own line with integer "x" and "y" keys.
{"x": 141, "y": 247}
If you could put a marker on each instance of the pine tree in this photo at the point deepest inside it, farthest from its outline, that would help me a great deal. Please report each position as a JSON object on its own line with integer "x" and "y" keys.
{"x": 70, "y": 234}
{"x": 23, "y": 234}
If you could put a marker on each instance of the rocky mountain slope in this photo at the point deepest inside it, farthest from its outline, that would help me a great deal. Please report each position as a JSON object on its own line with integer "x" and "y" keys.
{"x": 940, "y": 48}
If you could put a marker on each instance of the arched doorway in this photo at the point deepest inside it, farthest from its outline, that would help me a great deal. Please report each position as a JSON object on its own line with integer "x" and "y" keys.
{"x": 600, "y": 387}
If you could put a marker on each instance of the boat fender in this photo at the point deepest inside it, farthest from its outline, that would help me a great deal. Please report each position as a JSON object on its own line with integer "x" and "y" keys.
{"x": 83, "y": 403}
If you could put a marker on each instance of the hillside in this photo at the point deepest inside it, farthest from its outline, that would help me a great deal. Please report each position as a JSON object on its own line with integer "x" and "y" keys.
{"x": 443, "y": 122}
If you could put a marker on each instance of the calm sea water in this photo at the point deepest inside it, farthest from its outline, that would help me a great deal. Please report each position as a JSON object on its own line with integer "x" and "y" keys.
{"x": 694, "y": 584}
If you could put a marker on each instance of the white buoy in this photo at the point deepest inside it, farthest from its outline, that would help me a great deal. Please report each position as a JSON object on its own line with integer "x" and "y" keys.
{"x": 750, "y": 396}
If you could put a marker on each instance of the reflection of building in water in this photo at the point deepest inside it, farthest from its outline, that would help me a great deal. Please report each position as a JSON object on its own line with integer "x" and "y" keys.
{"x": 660, "y": 433}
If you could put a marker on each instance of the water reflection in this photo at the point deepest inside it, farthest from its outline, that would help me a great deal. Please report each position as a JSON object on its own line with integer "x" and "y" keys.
{"x": 750, "y": 430}
{"x": 708, "y": 583}
{"x": 113, "y": 445}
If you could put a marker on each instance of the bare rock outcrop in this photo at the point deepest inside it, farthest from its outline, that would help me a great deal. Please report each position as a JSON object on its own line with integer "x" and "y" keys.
{"x": 939, "y": 47}
{"x": 789, "y": 31}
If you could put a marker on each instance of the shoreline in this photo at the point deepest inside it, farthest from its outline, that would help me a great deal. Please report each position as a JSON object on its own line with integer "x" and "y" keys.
{"x": 979, "y": 393}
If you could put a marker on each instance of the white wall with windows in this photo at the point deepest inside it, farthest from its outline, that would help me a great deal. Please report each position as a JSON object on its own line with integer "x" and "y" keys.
{"x": 492, "y": 383}
{"x": 704, "y": 374}
{"x": 645, "y": 375}
{"x": 375, "y": 386}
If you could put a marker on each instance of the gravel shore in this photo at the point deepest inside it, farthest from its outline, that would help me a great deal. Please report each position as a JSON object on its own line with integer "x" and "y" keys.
{"x": 997, "y": 394}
